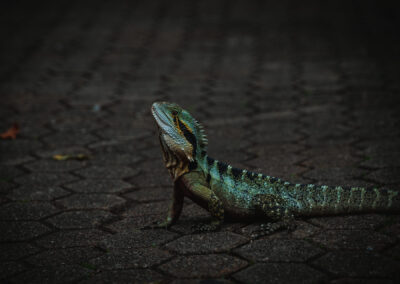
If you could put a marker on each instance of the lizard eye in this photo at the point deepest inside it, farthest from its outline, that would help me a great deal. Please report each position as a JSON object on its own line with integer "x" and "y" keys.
{"x": 174, "y": 113}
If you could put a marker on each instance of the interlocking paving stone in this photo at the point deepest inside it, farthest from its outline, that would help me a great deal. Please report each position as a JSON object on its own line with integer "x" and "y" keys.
{"x": 334, "y": 174}
{"x": 279, "y": 166}
{"x": 200, "y": 281}
{"x": 385, "y": 176}
{"x": 114, "y": 146}
{"x": 303, "y": 230}
{"x": 111, "y": 172}
{"x": 76, "y": 119}
{"x": 394, "y": 252}
{"x": 53, "y": 274}
{"x": 135, "y": 223}
{"x": 98, "y": 185}
{"x": 382, "y": 127}
{"x": 211, "y": 265}
{"x": 114, "y": 159}
{"x": 59, "y": 257}
{"x": 26, "y": 210}
{"x": 127, "y": 133}
{"x": 68, "y": 138}
{"x": 279, "y": 272}
{"x": 364, "y": 221}
{"x": 130, "y": 258}
{"x": 7, "y": 173}
{"x": 393, "y": 228}
{"x": 132, "y": 239}
{"x": 126, "y": 276}
{"x": 91, "y": 201}
{"x": 6, "y": 186}
{"x": 285, "y": 250}
{"x": 151, "y": 179}
{"x": 45, "y": 179}
{"x": 276, "y": 150}
{"x": 382, "y": 160}
{"x": 37, "y": 193}
{"x": 14, "y": 251}
{"x": 329, "y": 156}
{"x": 206, "y": 243}
{"x": 72, "y": 238}
{"x": 233, "y": 157}
{"x": 80, "y": 219}
{"x": 53, "y": 166}
{"x": 153, "y": 174}
{"x": 217, "y": 139}
{"x": 21, "y": 230}
{"x": 159, "y": 207}
{"x": 150, "y": 153}
{"x": 68, "y": 150}
{"x": 150, "y": 194}
{"x": 3, "y": 200}
{"x": 90, "y": 98}
{"x": 363, "y": 264}
{"x": 10, "y": 268}
{"x": 18, "y": 151}
{"x": 353, "y": 239}
{"x": 361, "y": 281}
{"x": 380, "y": 147}
{"x": 325, "y": 127}
{"x": 278, "y": 132}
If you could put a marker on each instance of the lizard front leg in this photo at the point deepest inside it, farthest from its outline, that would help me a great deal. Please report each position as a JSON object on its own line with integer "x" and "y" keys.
{"x": 200, "y": 190}
{"x": 174, "y": 210}
{"x": 215, "y": 208}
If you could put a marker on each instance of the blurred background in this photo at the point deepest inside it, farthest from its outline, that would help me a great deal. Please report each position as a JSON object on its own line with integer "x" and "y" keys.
{"x": 311, "y": 71}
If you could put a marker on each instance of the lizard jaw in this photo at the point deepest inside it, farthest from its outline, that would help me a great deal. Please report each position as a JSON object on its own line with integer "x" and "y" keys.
{"x": 162, "y": 119}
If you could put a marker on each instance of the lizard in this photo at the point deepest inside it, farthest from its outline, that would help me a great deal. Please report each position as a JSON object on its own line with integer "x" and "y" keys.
{"x": 226, "y": 191}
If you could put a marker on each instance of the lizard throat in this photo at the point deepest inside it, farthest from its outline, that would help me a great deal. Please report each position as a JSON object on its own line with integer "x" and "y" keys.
{"x": 177, "y": 165}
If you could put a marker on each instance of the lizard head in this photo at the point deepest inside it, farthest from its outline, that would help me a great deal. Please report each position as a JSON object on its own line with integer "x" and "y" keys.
{"x": 179, "y": 131}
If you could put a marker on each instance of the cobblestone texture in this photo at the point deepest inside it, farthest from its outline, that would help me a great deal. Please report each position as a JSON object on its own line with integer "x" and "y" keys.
{"x": 306, "y": 91}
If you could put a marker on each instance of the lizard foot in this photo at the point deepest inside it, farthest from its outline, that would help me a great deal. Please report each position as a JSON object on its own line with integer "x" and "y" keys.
{"x": 270, "y": 228}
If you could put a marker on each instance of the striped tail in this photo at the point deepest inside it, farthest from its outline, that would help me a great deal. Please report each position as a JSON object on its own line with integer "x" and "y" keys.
{"x": 316, "y": 200}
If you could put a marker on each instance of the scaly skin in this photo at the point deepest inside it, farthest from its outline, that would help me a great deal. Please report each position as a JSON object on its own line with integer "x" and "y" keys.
{"x": 224, "y": 190}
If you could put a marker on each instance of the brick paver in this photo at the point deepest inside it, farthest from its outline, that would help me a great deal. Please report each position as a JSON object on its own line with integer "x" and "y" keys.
{"x": 306, "y": 91}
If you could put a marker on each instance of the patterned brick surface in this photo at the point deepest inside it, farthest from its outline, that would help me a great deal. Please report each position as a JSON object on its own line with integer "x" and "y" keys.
{"x": 299, "y": 90}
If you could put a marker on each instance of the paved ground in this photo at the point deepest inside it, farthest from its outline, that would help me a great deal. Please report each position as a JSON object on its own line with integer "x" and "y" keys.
{"x": 306, "y": 91}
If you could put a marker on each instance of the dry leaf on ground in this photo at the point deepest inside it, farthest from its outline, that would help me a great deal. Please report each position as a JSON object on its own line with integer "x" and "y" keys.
{"x": 11, "y": 133}
{"x": 70, "y": 157}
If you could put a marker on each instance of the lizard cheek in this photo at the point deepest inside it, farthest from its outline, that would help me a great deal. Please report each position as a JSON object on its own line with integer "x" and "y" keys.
{"x": 188, "y": 150}
{"x": 181, "y": 148}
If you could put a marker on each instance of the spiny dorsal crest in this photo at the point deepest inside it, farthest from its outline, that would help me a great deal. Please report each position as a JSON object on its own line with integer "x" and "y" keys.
{"x": 202, "y": 137}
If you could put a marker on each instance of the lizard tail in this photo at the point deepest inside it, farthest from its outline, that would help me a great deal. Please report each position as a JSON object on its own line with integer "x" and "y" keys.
{"x": 339, "y": 200}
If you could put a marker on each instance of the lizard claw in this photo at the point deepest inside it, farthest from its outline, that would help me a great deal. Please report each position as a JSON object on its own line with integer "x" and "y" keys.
{"x": 155, "y": 225}
{"x": 205, "y": 227}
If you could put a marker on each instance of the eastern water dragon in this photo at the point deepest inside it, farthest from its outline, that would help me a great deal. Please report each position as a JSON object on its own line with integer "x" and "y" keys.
{"x": 224, "y": 190}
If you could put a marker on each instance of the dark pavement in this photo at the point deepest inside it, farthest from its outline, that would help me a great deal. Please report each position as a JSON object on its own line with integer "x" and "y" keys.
{"x": 303, "y": 90}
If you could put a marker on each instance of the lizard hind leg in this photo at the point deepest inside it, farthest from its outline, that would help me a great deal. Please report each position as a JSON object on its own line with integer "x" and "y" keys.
{"x": 275, "y": 209}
